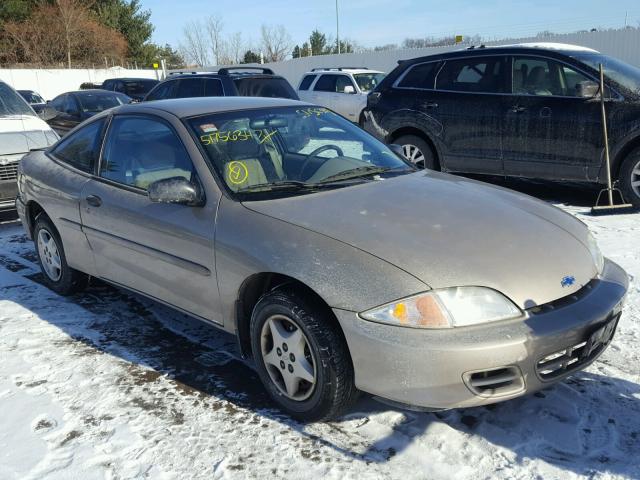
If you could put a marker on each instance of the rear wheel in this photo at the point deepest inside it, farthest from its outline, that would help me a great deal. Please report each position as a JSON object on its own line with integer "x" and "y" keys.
{"x": 417, "y": 151}
{"x": 301, "y": 357}
{"x": 630, "y": 178}
{"x": 58, "y": 276}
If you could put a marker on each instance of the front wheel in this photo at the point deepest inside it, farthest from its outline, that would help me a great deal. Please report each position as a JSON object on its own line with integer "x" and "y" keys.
{"x": 301, "y": 357}
{"x": 58, "y": 275}
{"x": 417, "y": 151}
{"x": 630, "y": 178}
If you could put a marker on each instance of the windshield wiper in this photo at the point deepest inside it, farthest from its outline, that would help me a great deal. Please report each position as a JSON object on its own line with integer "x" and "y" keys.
{"x": 284, "y": 185}
{"x": 360, "y": 172}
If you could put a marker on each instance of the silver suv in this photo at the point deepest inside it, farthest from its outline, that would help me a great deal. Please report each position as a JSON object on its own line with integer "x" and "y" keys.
{"x": 344, "y": 90}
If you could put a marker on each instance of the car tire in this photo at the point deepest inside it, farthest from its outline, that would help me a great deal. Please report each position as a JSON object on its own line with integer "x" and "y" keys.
{"x": 417, "y": 151}
{"x": 629, "y": 178}
{"x": 310, "y": 377}
{"x": 58, "y": 275}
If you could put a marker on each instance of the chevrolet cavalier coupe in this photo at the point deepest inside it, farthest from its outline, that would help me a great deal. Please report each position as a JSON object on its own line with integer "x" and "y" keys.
{"x": 338, "y": 265}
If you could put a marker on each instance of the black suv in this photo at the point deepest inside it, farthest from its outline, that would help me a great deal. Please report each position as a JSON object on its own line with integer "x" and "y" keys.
{"x": 226, "y": 82}
{"x": 524, "y": 111}
{"x": 135, "y": 88}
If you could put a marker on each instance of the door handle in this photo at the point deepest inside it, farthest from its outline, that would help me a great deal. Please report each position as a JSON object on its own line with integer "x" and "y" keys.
{"x": 429, "y": 105}
{"x": 94, "y": 200}
{"x": 545, "y": 112}
{"x": 517, "y": 109}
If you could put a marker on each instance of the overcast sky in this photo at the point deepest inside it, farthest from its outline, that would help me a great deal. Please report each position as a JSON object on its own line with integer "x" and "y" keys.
{"x": 379, "y": 22}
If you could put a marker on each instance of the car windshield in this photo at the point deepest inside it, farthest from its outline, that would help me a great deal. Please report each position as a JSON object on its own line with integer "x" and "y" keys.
{"x": 31, "y": 97}
{"x": 138, "y": 87}
{"x": 97, "y": 102}
{"x": 11, "y": 103}
{"x": 252, "y": 86}
{"x": 620, "y": 72}
{"x": 292, "y": 150}
{"x": 368, "y": 81}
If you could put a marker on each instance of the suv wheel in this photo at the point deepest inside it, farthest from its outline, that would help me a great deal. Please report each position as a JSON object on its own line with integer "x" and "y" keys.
{"x": 301, "y": 358}
{"x": 58, "y": 276}
{"x": 630, "y": 178}
{"x": 417, "y": 151}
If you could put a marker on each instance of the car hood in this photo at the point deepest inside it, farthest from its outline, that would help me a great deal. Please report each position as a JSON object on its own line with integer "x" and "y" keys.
{"x": 451, "y": 231}
{"x": 21, "y": 133}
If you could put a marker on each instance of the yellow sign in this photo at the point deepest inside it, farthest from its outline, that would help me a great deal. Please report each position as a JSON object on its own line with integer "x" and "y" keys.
{"x": 238, "y": 172}
{"x": 156, "y": 66}
{"x": 459, "y": 38}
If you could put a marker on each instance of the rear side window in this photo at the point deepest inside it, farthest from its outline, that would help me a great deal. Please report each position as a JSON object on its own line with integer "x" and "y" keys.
{"x": 82, "y": 148}
{"x": 190, "y": 87}
{"x": 306, "y": 82}
{"x": 483, "y": 75}
{"x": 139, "y": 151}
{"x": 213, "y": 88}
{"x": 163, "y": 91}
{"x": 420, "y": 76}
{"x": 326, "y": 83}
{"x": 264, "y": 87}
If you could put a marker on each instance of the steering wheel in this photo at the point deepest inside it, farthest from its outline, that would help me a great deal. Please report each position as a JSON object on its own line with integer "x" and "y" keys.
{"x": 317, "y": 152}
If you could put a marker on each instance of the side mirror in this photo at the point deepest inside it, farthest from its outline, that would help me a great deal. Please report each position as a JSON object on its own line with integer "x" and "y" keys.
{"x": 587, "y": 89}
{"x": 349, "y": 89}
{"x": 176, "y": 190}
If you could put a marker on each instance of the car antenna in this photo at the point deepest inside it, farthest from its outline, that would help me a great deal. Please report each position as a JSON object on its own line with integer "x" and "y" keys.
{"x": 611, "y": 207}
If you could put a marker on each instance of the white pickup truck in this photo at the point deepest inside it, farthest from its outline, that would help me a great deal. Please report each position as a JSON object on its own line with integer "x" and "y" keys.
{"x": 344, "y": 90}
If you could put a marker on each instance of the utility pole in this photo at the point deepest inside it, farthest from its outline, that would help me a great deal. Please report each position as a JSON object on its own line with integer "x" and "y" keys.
{"x": 337, "y": 28}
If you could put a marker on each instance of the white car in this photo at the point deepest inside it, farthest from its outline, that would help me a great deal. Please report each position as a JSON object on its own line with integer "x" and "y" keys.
{"x": 343, "y": 90}
{"x": 20, "y": 131}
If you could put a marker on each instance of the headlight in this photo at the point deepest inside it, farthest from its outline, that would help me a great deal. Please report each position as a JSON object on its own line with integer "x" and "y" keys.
{"x": 596, "y": 254}
{"x": 446, "y": 308}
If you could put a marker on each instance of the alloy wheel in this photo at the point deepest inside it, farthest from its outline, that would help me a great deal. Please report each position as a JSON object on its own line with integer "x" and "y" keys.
{"x": 287, "y": 356}
{"x": 49, "y": 255}
{"x": 413, "y": 154}
{"x": 635, "y": 179}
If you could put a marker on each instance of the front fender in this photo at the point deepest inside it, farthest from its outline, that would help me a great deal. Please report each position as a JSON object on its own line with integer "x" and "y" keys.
{"x": 248, "y": 243}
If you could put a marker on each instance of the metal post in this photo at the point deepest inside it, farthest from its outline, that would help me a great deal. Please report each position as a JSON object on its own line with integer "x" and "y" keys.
{"x": 337, "y": 28}
{"x": 606, "y": 137}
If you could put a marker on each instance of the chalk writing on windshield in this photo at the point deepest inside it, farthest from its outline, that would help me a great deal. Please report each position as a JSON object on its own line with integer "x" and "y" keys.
{"x": 237, "y": 136}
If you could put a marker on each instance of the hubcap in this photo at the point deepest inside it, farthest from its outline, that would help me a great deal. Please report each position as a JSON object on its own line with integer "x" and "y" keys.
{"x": 49, "y": 255}
{"x": 287, "y": 356}
{"x": 413, "y": 154}
{"x": 635, "y": 179}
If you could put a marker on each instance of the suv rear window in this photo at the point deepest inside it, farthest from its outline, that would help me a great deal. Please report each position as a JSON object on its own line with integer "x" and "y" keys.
{"x": 306, "y": 82}
{"x": 421, "y": 75}
{"x": 264, "y": 87}
{"x": 484, "y": 74}
{"x": 198, "y": 87}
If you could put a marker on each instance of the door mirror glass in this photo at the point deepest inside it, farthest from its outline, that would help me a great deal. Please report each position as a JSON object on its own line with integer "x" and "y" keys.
{"x": 349, "y": 89}
{"x": 587, "y": 89}
{"x": 176, "y": 190}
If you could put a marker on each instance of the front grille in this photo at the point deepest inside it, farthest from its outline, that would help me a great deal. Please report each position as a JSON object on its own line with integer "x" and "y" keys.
{"x": 574, "y": 357}
{"x": 9, "y": 171}
{"x": 495, "y": 382}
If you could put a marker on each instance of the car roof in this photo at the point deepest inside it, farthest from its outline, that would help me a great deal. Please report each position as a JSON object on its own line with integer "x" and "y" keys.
{"x": 352, "y": 70}
{"x": 549, "y": 47}
{"x": 93, "y": 91}
{"x": 132, "y": 79}
{"x": 189, "y": 107}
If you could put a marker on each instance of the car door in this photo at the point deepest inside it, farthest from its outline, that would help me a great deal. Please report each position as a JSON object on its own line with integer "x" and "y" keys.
{"x": 466, "y": 103}
{"x": 347, "y": 101}
{"x": 550, "y": 131}
{"x": 324, "y": 91}
{"x": 67, "y": 114}
{"x": 162, "y": 250}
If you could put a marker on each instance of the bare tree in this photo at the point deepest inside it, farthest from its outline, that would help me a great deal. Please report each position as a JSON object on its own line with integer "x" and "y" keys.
{"x": 73, "y": 15}
{"x": 276, "y": 42}
{"x": 194, "y": 47}
{"x": 214, "y": 26}
{"x": 236, "y": 48}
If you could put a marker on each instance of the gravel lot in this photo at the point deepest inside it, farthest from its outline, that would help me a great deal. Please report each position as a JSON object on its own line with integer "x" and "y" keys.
{"x": 110, "y": 385}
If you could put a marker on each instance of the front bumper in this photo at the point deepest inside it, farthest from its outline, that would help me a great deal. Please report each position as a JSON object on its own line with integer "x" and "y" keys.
{"x": 444, "y": 368}
{"x": 8, "y": 192}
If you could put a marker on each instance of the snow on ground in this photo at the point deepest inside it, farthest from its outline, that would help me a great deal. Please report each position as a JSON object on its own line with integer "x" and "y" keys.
{"x": 109, "y": 385}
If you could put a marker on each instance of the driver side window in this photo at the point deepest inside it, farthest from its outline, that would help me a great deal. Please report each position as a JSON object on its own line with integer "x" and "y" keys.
{"x": 139, "y": 151}
{"x": 545, "y": 77}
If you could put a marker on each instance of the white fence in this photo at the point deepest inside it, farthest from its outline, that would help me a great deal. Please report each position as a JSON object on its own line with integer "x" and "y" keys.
{"x": 50, "y": 83}
{"x": 623, "y": 44}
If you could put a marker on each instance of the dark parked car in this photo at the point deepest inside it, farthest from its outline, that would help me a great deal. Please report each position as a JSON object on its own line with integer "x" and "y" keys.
{"x": 226, "y": 82}
{"x": 529, "y": 110}
{"x": 34, "y": 99}
{"x": 69, "y": 109}
{"x": 135, "y": 88}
